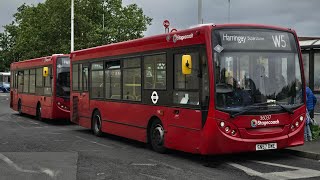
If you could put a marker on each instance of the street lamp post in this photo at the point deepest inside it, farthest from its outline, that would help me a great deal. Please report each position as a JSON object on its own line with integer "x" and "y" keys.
{"x": 103, "y": 5}
{"x": 72, "y": 25}
{"x": 229, "y": 11}
{"x": 199, "y": 11}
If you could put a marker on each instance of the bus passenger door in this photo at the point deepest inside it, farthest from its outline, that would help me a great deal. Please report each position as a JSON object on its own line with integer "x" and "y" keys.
{"x": 83, "y": 105}
{"x": 185, "y": 117}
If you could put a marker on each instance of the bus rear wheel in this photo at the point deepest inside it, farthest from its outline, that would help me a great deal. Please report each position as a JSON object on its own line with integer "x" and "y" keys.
{"x": 97, "y": 123}
{"x": 156, "y": 136}
{"x": 19, "y": 107}
{"x": 38, "y": 114}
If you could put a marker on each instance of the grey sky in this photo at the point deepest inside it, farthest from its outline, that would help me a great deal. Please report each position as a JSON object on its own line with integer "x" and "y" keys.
{"x": 301, "y": 15}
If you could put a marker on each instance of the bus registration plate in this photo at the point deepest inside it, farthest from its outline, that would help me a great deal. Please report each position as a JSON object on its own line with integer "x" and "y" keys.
{"x": 268, "y": 146}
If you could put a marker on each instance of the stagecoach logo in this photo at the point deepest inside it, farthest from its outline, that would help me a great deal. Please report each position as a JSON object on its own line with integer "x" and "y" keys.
{"x": 168, "y": 37}
{"x": 154, "y": 97}
{"x": 254, "y": 123}
{"x": 177, "y": 37}
{"x": 47, "y": 59}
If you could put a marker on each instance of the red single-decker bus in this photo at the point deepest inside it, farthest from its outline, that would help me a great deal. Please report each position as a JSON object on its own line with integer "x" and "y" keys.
{"x": 41, "y": 87}
{"x": 211, "y": 89}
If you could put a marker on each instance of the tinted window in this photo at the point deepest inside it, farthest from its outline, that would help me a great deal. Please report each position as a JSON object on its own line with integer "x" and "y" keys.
{"x": 132, "y": 79}
{"x": 155, "y": 72}
{"x": 32, "y": 84}
{"x": 113, "y": 80}
{"x": 97, "y": 80}
{"x": 26, "y": 81}
{"x": 75, "y": 77}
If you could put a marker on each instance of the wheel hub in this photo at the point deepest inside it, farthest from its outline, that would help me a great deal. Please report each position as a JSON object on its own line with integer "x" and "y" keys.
{"x": 158, "y": 134}
{"x": 97, "y": 124}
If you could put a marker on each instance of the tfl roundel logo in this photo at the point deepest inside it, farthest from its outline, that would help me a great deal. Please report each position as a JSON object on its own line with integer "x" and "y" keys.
{"x": 254, "y": 123}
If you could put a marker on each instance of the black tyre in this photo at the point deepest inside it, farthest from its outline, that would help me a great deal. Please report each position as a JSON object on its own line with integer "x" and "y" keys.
{"x": 156, "y": 136}
{"x": 38, "y": 113}
{"x": 97, "y": 123}
{"x": 20, "y": 107}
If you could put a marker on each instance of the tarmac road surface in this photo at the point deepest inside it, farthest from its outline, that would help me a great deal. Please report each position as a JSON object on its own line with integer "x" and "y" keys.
{"x": 31, "y": 149}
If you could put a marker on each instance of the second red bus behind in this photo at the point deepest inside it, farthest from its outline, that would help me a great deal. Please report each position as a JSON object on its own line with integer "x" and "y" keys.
{"x": 41, "y": 87}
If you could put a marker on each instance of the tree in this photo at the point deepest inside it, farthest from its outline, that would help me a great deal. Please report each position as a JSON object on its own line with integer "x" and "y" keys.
{"x": 44, "y": 29}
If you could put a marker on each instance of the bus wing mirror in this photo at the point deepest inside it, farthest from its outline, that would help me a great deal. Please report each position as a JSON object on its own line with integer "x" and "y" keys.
{"x": 45, "y": 72}
{"x": 186, "y": 64}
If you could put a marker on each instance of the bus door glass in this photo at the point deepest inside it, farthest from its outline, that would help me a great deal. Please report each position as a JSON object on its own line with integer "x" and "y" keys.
{"x": 186, "y": 93}
{"x": 84, "y": 93}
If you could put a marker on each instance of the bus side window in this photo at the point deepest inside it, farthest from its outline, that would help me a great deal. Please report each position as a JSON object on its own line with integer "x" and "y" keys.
{"x": 85, "y": 77}
{"x": 155, "y": 72}
{"x": 20, "y": 81}
{"x": 97, "y": 85}
{"x": 131, "y": 79}
{"x": 39, "y": 81}
{"x": 75, "y": 77}
{"x": 113, "y": 80}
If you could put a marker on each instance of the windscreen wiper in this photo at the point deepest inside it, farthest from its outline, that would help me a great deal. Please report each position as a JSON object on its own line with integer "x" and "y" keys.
{"x": 284, "y": 108}
{"x": 254, "y": 106}
{"x": 249, "y": 108}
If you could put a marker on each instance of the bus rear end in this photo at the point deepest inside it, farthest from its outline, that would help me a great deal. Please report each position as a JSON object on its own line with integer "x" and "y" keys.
{"x": 258, "y": 97}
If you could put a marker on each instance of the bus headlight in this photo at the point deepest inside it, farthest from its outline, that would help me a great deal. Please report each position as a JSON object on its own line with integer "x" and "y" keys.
{"x": 301, "y": 118}
{"x": 221, "y": 124}
{"x": 227, "y": 129}
{"x": 233, "y": 132}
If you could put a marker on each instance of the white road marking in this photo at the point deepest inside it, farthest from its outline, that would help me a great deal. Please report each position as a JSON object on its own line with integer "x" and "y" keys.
{"x": 153, "y": 177}
{"x": 32, "y": 122}
{"x": 19, "y": 124}
{"x": 53, "y": 133}
{"x": 294, "y": 173}
{"x": 146, "y": 164}
{"x": 47, "y": 171}
{"x": 94, "y": 142}
{"x": 165, "y": 164}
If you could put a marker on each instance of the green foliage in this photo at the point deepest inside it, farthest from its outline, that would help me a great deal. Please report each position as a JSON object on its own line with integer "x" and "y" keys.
{"x": 44, "y": 29}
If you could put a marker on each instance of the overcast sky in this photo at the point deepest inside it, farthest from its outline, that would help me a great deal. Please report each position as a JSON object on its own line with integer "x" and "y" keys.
{"x": 301, "y": 15}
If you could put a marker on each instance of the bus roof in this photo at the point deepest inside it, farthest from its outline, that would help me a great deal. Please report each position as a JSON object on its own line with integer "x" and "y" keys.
{"x": 35, "y": 62}
{"x": 192, "y": 36}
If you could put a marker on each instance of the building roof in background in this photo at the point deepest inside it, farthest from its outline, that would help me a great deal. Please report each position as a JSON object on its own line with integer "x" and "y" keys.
{"x": 309, "y": 42}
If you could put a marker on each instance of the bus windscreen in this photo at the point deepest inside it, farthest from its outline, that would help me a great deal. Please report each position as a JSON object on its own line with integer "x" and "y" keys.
{"x": 63, "y": 77}
{"x": 256, "y": 66}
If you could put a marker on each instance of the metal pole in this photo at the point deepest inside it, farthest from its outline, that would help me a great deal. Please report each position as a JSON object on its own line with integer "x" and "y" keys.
{"x": 199, "y": 11}
{"x": 103, "y": 21}
{"x": 229, "y": 12}
{"x": 103, "y": 4}
{"x": 72, "y": 25}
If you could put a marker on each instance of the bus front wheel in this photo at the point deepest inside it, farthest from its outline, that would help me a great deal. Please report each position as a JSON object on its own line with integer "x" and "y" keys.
{"x": 156, "y": 136}
{"x": 97, "y": 123}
